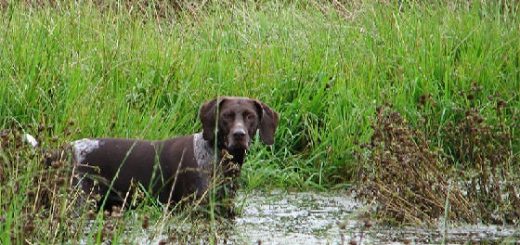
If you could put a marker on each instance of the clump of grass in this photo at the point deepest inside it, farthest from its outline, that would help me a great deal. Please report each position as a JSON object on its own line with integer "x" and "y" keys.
{"x": 471, "y": 178}
{"x": 480, "y": 149}
{"x": 406, "y": 177}
{"x": 39, "y": 196}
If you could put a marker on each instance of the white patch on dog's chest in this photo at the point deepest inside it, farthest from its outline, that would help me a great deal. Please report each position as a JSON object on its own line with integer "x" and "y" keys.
{"x": 81, "y": 148}
{"x": 202, "y": 151}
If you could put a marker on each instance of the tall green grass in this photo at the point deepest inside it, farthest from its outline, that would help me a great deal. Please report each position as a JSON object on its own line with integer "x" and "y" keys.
{"x": 121, "y": 73}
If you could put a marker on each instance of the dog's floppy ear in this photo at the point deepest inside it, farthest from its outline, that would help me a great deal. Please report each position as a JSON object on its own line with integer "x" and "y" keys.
{"x": 208, "y": 117}
{"x": 268, "y": 123}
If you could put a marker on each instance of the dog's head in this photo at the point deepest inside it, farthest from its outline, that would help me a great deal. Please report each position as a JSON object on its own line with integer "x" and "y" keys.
{"x": 235, "y": 121}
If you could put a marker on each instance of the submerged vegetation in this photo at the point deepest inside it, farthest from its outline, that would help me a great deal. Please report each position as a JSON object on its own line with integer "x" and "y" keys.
{"x": 418, "y": 100}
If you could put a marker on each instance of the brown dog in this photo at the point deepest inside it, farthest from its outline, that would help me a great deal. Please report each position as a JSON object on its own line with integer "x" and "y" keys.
{"x": 180, "y": 167}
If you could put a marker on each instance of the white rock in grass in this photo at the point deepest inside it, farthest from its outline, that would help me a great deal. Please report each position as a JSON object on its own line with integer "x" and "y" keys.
{"x": 30, "y": 139}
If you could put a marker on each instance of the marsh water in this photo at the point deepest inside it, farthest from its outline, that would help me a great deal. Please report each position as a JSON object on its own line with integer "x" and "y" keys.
{"x": 280, "y": 217}
{"x": 297, "y": 218}
{"x": 336, "y": 218}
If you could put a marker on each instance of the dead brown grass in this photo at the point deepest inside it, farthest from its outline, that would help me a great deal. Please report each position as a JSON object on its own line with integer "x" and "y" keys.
{"x": 405, "y": 177}
{"x": 470, "y": 178}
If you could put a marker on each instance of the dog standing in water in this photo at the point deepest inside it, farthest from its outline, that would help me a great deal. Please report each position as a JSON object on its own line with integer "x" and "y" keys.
{"x": 177, "y": 168}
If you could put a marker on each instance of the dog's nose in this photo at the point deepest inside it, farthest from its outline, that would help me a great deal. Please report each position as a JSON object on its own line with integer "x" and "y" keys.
{"x": 239, "y": 134}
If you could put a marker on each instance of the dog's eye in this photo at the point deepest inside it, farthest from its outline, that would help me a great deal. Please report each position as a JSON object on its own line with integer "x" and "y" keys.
{"x": 229, "y": 115}
{"x": 249, "y": 116}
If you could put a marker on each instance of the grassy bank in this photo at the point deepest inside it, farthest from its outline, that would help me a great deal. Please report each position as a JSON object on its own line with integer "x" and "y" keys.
{"x": 83, "y": 70}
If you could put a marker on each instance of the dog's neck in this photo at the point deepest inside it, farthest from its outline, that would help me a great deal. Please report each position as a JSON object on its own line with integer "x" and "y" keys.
{"x": 204, "y": 152}
{"x": 228, "y": 165}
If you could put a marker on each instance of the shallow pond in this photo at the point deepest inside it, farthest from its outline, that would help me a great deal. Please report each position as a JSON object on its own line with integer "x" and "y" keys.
{"x": 335, "y": 218}
{"x": 280, "y": 217}
{"x": 296, "y": 218}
